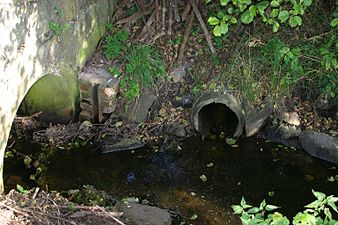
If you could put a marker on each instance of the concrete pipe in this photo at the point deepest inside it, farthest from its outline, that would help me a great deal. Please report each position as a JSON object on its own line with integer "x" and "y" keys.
{"x": 213, "y": 113}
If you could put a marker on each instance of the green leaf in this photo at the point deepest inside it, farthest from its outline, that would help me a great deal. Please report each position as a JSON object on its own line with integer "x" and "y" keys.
{"x": 331, "y": 201}
{"x": 230, "y": 141}
{"x": 283, "y": 16}
{"x": 246, "y": 17}
{"x": 334, "y": 22}
{"x": 224, "y": 28}
{"x": 307, "y": 2}
{"x": 261, "y": 6}
{"x": 233, "y": 20}
{"x": 271, "y": 207}
{"x": 262, "y": 205}
{"x": 237, "y": 209}
{"x": 252, "y": 11}
{"x": 274, "y": 13}
{"x": 224, "y": 2}
{"x": 304, "y": 218}
{"x": 217, "y": 31}
{"x": 275, "y": 26}
{"x": 230, "y": 10}
{"x": 274, "y": 3}
{"x": 253, "y": 210}
{"x": 319, "y": 195}
{"x": 243, "y": 202}
{"x": 295, "y": 21}
{"x": 194, "y": 217}
{"x": 213, "y": 20}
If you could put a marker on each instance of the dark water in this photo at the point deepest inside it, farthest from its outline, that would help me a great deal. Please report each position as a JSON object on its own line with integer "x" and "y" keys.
{"x": 172, "y": 180}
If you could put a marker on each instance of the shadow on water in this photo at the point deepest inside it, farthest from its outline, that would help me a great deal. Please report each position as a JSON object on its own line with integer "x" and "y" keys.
{"x": 172, "y": 180}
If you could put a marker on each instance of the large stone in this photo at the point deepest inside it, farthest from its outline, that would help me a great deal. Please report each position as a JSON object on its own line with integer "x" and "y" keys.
{"x": 138, "y": 110}
{"x": 255, "y": 121}
{"x": 139, "y": 214}
{"x": 320, "y": 145}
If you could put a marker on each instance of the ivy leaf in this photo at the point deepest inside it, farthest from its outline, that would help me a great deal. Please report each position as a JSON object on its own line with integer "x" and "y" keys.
{"x": 307, "y": 2}
{"x": 334, "y": 22}
{"x": 275, "y": 26}
{"x": 246, "y": 17}
{"x": 274, "y": 13}
{"x": 283, "y": 16}
{"x": 213, "y": 20}
{"x": 274, "y": 3}
{"x": 224, "y": 2}
{"x": 295, "y": 21}
{"x": 217, "y": 31}
{"x": 233, "y": 20}
{"x": 252, "y": 11}
{"x": 224, "y": 28}
{"x": 261, "y": 6}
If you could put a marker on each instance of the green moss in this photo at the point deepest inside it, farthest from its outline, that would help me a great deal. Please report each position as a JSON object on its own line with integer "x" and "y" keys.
{"x": 55, "y": 95}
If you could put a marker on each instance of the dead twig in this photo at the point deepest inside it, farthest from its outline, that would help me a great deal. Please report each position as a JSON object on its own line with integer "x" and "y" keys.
{"x": 176, "y": 13}
{"x": 111, "y": 216}
{"x": 204, "y": 27}
{"x": 185, "y": 38}
{"x": 170, "y": 18}
{"x": 136, "y": 16}
{"x": 186, "y": 11}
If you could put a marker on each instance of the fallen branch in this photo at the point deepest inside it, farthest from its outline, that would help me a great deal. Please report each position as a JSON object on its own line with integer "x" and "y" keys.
{"x": 186, "y": 11}
{"x": 204, "y": 27}
{"x": 185, "y": 39}
{"x": 136, "y": 16}
{"x": 114, "y": 218}
{"x": 176, "y": 13}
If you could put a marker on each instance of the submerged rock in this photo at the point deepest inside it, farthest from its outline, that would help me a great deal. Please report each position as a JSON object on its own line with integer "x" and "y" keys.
{"x": 320, "y": 145}
{"x": 138, "y": 214}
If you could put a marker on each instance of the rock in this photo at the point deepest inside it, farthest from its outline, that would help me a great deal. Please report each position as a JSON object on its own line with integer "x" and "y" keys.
{"x": 256, "y": 121}
{"x": 320, "y": 145}
{"x": 139, "y": 108}
{"x": 178, "y": 73}
{"x": 123, "y": 145}
{"x": 143, "y": 214}
{"x": 289, "y": 131}
{"x": 275, "y": 134}
{"x": 291, "y": 118}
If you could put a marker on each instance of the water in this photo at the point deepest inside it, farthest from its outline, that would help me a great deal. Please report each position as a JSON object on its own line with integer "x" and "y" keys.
{"x": 172, "y": 180}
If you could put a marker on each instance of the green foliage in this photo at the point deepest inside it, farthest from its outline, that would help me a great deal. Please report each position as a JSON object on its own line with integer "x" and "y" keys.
{"x": 142, "y": 64}
{"x": 22, "y": 190}
{"x": 284, "y": 66}
{"x": 311, "y": 216}
{"x": 114, "y": 43}
{"x": 57, "y": 28}
{"x": 272, "y": 13}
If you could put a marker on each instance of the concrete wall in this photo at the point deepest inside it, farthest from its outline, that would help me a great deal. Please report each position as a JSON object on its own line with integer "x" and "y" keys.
{"x": 30, "y": 49}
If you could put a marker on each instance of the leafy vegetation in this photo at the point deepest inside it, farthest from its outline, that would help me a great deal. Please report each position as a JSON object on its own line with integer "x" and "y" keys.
{"x": 272, "y": 13}
{"x": 317, "y": 212}
{"x": 142, "y": 64}
{"x": 57, "y": 28}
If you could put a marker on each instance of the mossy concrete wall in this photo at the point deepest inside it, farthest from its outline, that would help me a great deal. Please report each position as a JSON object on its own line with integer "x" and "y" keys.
{"x": 30, "y": 48}
{"x": 78, "y": 27}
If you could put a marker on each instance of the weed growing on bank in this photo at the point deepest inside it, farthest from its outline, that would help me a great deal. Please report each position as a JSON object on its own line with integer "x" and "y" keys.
{"x": 141, "y": 64}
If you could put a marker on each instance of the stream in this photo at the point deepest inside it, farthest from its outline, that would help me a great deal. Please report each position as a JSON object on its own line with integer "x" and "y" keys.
{"x": 255, "y": 169}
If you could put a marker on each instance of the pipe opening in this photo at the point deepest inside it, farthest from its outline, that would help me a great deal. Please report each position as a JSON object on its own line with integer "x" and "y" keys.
{"x": 215, "y": 118}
